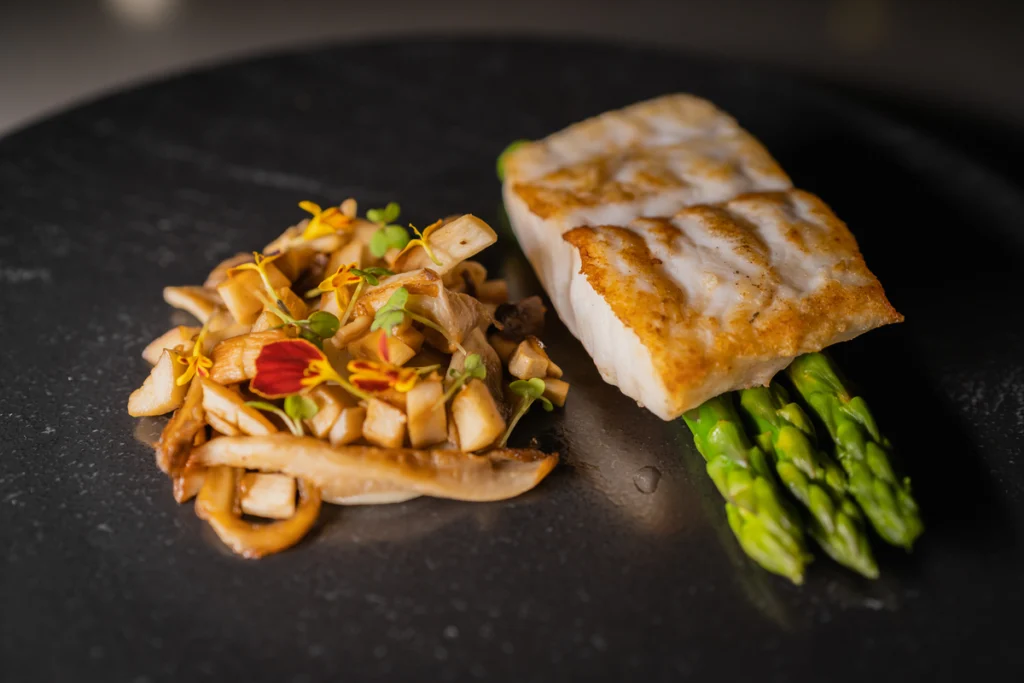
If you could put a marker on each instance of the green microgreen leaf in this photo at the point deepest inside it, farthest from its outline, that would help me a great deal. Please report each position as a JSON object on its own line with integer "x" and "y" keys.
{"x": 324, "y": 324}
{"x": 531, "y": 389}
{"x": 312, "y": 338}
{"x": 387, "y": 320}
{"x": 379, "y": 243}
{"x": 299, "y": 407}
{"x": 263, "y": 405}
{"x": 389, "y": 214}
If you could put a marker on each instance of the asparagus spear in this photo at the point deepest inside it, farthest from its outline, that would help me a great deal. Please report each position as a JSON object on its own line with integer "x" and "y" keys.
{"x": 861, "y": 449}
{"x": 765, "y": 525}
{"x": 836, "y": 523}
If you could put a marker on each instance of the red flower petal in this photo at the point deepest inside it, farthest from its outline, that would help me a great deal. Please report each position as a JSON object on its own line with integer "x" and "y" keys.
{"x": 382, "y": 347}
{"x": 370, "y": 384}
{"x": 281, "y": 367}
{"x": 363, "y": 366}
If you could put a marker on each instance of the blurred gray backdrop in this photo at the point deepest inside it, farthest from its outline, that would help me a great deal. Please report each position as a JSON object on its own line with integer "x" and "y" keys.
{"x": 965, "y": 56}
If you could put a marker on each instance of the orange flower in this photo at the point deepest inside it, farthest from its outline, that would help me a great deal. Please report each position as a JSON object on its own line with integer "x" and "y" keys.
{"x": 324, "y": 221}
{"x": 423, "y": 240}
{"x": 374, "y": 376}
{"x": 196, "y": 363}
{"x": 259, "y": 264}
{"x": 339, "y": 284}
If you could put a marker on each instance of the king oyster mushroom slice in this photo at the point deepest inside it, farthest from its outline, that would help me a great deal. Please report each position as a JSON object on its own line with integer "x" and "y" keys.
{"x": 458, "y": 314}
{"x": 495, "y": 475}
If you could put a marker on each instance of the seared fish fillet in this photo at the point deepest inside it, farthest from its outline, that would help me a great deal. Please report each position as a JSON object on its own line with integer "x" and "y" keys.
{"x": 677, "y": 251}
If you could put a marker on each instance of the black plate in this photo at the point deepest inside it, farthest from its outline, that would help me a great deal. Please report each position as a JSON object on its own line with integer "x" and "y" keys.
{"x": 106, "y": 578}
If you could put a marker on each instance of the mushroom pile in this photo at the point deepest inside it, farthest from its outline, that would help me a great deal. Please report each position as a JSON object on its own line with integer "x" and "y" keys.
{"x": 351, "y": 363}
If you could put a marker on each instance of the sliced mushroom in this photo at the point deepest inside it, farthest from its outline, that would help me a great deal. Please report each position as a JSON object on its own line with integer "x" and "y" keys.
{"x": 477, "y": 343}
{"x": 493, "y": 292}
{"x": 199, "y": 301}
{"x": 172, "y": 450}
{"x": 452, "y": 243}
{"x": 189, "y": 479}
{"x": 220, "y": 273}
{"x": 366, "y": 492}
{"x": 228, "y": 408}
{"x": 160, "y": 393}
{"x": 521, "y": 319}
{"x": 177, "y": 336}
{"x": 502, "y": 346}
{"x": 496, "y": 475}
{"x": 234, "y": 359}
{"x": 216, "y": 504}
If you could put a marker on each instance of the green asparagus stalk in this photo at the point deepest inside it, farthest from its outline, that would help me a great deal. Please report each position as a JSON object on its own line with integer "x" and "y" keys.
{"x": 860, "y": 448}
{"x": 766, "y": 526}
{"x": 835, "y": 523}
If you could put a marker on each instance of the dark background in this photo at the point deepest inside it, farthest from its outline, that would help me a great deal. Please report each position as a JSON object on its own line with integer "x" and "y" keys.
{"x": 954, "y": 56}
{"x": 105, "y": 579}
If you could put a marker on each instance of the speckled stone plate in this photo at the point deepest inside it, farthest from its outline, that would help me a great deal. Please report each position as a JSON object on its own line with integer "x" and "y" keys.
{"x": 609, "y": 570}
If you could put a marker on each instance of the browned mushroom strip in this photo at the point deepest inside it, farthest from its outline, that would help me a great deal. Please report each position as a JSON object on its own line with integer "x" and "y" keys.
{"x": 178, "y": 436}
{"x": 216, "y": 504}
{"x": 496, "y": 475}
{"x": 234, "y": 359}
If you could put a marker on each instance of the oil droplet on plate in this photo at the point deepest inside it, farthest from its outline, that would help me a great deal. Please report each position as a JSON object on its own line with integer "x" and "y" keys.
{"x": 646, "y": 479}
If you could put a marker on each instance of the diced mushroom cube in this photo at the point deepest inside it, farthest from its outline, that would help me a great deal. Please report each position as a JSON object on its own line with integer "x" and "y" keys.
{"x": 428, "y": 419}
{"x": 477, "y": 416}
{"x": 238, "y": 296}
{"x": 384, "y": 424}
{"x": 271, "y": 496}
{"x": 160, "y": 393}
{"x": 177, "y": 336}
{"x": 351, "y": 331}
{"x": 503, "y": 347}
{"x": 330, "y": 400}
{"x": 528, "y": 362}
{"x": 493, "y": 291}
{"x": 555, "y": 390}
{"x": 348, "y": 427}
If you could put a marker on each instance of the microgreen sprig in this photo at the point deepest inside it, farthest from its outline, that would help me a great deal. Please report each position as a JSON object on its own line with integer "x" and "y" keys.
{"x": 393, "y": 312}
{"x": 296, "y": 409}
{"x": 472, "y": 368}
{"x": 367, "y": 276}
{"x": 314, "y": 329}
{"x": 529, "y": 390}
{"x": 389, "y": 236}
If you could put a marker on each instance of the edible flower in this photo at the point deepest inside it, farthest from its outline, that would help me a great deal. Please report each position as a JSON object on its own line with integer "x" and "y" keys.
{"x": 339, "y": 282}
{"x": 325, "y": 221}
{"x": 259, "y": 264}
{"x": 293, "y": 366}
{"x": 196, "y": 363}
{"x": 374, "y": 376}
{"x": 423, "y": 240}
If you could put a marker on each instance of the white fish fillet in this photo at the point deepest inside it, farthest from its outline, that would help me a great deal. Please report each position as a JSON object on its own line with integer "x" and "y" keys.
{"x": 677, "y": 251}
